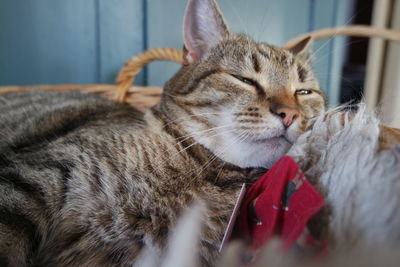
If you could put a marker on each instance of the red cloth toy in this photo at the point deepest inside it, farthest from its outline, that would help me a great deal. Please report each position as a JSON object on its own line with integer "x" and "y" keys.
{"x": 280, "y": 203}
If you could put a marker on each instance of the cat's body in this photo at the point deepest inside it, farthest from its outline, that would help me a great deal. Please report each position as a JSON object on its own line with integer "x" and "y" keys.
{"x": 98, "y": 182}
{"x": 88, "y": 182}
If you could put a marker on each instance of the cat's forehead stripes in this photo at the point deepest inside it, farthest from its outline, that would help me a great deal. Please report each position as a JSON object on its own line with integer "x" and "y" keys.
{"x": 256, "y": 62}
{"x": 283, "y": 58}
{"x": 241, "y": 54}
{"x": 302, "y": 73}
{"x": 277, "y": 55}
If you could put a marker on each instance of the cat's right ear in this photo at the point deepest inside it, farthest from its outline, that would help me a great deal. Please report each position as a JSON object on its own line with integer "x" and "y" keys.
{"x": 300, "y": 47}
{"x": 203, "y": 27}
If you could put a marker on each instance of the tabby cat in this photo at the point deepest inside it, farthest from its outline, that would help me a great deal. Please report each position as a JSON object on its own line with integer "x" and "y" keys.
{"x": 88, "y": 182}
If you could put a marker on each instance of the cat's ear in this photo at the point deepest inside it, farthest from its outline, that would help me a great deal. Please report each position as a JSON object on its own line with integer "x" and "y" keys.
{"x": 302, "y": 47}
{"x": 203, "y": 27}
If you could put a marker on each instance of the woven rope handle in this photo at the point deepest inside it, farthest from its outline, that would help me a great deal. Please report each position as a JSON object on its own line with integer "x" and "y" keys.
{"x": 355, "y": 30}
{"x": 134, "y": 65}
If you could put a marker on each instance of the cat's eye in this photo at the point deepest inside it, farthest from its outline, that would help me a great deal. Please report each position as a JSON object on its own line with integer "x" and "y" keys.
{"x": 303, "y": 92}
{"x": 245, "y": 80}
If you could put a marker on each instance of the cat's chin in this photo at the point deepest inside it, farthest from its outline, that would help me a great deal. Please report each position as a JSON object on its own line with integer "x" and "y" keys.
{"x": 255, "y": 153}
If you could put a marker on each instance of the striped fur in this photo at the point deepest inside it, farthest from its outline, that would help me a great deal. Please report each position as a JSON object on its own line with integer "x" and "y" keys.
{"x": 88, "y": 182}
{"x": 102, "y": 182}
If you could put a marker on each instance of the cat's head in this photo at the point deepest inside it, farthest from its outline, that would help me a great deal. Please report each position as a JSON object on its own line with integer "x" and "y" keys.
{"x": 245, "y": 101}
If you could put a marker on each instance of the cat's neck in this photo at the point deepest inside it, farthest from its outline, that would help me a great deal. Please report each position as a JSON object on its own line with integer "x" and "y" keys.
{"x": 204, "y": 162}
{"x": 169, "y": 125}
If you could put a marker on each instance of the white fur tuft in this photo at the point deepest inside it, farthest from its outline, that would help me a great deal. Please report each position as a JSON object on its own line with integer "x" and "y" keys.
{"x": 362, "y": 184}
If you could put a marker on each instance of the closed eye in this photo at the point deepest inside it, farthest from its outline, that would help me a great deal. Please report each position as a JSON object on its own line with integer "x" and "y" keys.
{"x": 303, "y": 92}
{"x": 245, "y": 80}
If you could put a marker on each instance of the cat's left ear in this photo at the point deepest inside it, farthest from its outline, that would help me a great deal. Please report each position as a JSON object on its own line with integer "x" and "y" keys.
{"x": 203, "y": 27}
{"x": 302, "y": 47}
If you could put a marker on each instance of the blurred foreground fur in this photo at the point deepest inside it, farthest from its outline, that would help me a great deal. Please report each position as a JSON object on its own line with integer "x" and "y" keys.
{"x": 361, "y": 186}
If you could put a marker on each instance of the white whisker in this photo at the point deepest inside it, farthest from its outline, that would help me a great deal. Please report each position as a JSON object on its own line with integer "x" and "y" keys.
{"x": 238, "y": 139}
{"x": 194, "y": 143}
{"x": 191, "y": 116}
{"x": 329, "y": 39}
{"x": 203, "y": 131}
{"x": 333, "y": 51}
{"x": 183, "y": 138}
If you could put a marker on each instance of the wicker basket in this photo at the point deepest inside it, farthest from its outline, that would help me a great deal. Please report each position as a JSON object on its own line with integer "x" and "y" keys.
{"x": 143, "y": 97}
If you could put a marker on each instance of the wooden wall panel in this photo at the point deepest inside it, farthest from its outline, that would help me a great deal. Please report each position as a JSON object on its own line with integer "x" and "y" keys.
{"x": 121, "y": 35}
{"x": 328, "y": 53}
{"x": 47, "y": 41}
{"x": 164, "y": 29}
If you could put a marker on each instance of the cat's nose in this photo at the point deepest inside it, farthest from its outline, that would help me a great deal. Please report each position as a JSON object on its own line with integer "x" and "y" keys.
{"x": 288, "y": 115}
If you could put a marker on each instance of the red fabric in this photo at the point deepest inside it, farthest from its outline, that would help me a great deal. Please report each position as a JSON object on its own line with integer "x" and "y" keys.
{"x": 280, "y": 203}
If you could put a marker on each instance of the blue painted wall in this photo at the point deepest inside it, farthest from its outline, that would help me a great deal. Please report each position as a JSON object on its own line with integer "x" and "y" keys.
{"x": 76, "y": 41}
{"x": 67, "y": 41}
